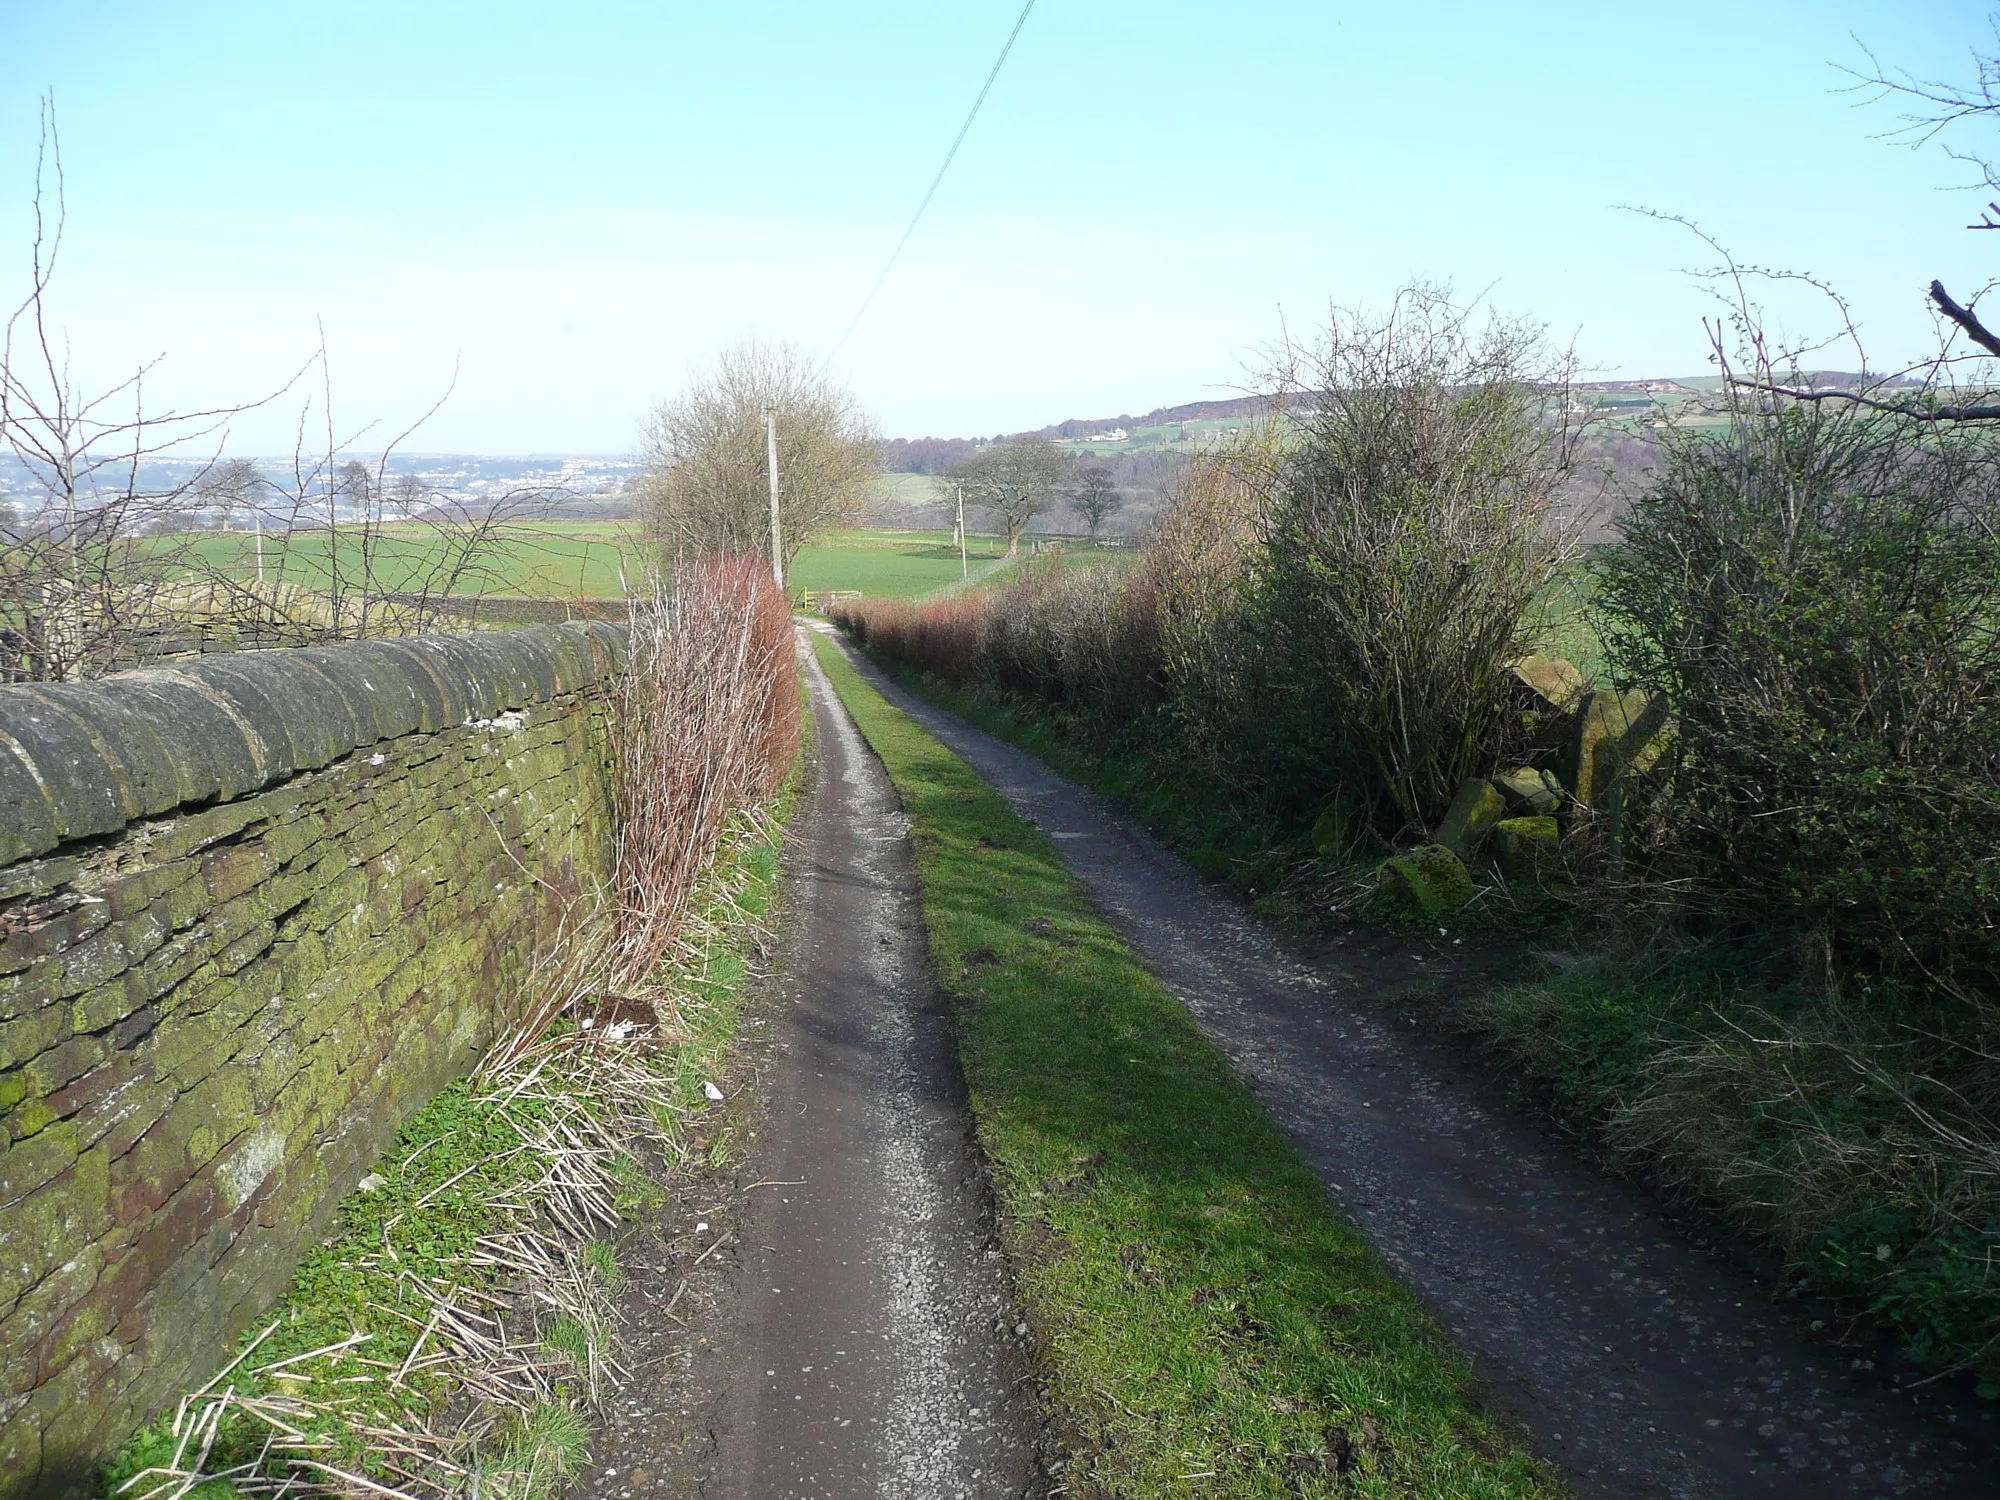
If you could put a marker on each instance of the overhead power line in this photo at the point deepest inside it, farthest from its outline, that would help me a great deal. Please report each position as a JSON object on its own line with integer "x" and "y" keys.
{"x": 931, "y": 192}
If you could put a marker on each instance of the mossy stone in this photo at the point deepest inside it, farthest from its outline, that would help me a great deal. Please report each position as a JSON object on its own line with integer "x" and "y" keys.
{"x": 1555, "y": 681}
{"x": 1528, "y": 850}
{"x": 1530, "y": 793}
{"x": 1613, "y": 733}
{"x": 1430, "y": 881}
{"x": 1474, "y": 811}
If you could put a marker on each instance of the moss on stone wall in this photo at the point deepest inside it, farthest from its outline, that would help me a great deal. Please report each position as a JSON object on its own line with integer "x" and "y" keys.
{"x": 213, "y": 1017}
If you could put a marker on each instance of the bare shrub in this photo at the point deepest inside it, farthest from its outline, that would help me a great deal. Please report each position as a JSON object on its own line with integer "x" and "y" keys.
{"x": 102, "y": 567}
{"x": 706, "y": 486}
{"x": 941, "y": 636}
{"x": 91, "y": 566}
{"x": 705, "y": 726}
{"x": 708, "y": 724}
{"x": 1412, "y": 529}
{"x": 1817, "y": 591}
{"x": 1196, "y": 573}
{"x": 1080, "y": 638}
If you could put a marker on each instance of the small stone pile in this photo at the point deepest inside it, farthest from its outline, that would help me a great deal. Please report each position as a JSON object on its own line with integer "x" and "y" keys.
{"x": 1586, "y": 743}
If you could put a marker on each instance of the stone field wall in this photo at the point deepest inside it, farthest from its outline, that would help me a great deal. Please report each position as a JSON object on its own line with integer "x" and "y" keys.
{"x": 255, "y": 912}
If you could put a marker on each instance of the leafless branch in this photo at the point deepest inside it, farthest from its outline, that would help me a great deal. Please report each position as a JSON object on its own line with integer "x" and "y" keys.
{"x": 1965, "y": 318}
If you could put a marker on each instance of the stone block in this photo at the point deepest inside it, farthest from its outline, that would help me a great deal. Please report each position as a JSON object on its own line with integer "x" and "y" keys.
{"x": 408, "y": 697}
{"x": 28, "y": 826}
{"x": 1557, "y": 683}
{"x": 335, "y": 666}
{"x": 1474, "y": 811}
{"x": 27, "y": 1037}
{"x": 126, "y": 732}
{"x": 33, "y": 877}
{"x": 1530, "y": 792}
{"x": 1430, "y": 881}
{"x": 81, "y": 785}
{"x": 285, "y": 693}
{"x": 63, "y": 1063}
{"x": 213, "y": 753}
{"x": 1611, "y": 735}
{"x": 138, "y": 890}
{"x": 1528, "y": 850}
{"x": 263, "y": 696}
{"x": 125, "y": 1117}
{"x": 107, "y": 1004}
{"x": 45, "y": 1224}
{"x": 231, "y": 870}
{"x": 40, "y": 1309}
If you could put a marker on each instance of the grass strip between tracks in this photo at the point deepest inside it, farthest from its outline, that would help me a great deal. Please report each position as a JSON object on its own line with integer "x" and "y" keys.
{"x": 1210, "y": 1326}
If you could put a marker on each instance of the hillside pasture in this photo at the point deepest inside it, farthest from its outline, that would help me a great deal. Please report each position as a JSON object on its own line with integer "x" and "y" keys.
{"x": 574, "y": 559}
{"x": 889, "y": 564}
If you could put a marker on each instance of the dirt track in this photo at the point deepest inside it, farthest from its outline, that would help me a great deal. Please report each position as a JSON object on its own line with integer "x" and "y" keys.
{"x": 1642, "y": 1365}
{"x": 859, "y": 1341}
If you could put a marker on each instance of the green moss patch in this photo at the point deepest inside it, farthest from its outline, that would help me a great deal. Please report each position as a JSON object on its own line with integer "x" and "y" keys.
{"x": 425, "y": 1218}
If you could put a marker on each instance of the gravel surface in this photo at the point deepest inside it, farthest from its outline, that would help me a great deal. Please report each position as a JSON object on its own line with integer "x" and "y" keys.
{"x": 1642, "y": 1364}
{"x": 850, "y": 1331}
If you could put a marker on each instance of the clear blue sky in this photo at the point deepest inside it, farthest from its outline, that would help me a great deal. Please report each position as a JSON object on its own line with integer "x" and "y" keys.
{"x": 582, "y": 201}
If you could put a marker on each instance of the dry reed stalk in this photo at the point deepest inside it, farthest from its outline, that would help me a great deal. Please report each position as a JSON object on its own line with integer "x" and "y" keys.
{"x": 707, "y": 723}
{"x": 706, "y": 726}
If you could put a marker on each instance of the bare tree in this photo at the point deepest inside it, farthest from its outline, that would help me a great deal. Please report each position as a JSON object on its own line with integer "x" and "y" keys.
{"x": 355, "y": 485}
{"x": 1014, "y": 480}
{"x": 1932, "y": 107}
{"x": 1096, "y": 497}
{"x": 97, "y": 566}
{"x": 706, "y": 484}
{"x": 229, "y": 487}
{"x": 409, "y": 495}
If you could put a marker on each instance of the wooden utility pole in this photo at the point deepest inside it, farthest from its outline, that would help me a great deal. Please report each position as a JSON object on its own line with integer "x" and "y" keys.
{"x": 964, "y": 569}
{"x": 771, "y": 463}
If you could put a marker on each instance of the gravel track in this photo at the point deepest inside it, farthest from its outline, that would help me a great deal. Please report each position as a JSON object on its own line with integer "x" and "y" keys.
{"x": 1641, "y": 1364}
{"x": 851, "y": 1333}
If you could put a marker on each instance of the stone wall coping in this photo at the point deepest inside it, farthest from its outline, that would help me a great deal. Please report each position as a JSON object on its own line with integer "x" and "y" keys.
{"x": 84, "y": 759}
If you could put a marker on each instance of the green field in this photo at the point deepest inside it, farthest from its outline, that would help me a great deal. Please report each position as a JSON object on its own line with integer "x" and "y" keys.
{"x": 579, "y": 559}
{"x": 568, "y": 559}
{"x": 888, "y": 564}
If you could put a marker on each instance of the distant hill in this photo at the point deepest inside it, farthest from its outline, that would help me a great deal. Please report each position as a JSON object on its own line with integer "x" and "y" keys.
{"x": 1145, "y": 452}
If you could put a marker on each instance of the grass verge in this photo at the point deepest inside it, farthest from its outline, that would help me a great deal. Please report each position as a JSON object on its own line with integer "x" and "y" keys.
{"x": 454, "y": 1330}
{"x": 1843, "y": 1142}
{"x": 1209, "y": 1324}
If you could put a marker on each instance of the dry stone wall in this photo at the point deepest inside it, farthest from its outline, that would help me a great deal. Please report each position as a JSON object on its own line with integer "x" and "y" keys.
{"x": 254, "y": 914}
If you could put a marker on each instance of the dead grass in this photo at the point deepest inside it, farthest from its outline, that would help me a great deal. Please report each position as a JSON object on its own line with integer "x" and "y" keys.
{"x": 459, "y": 1331}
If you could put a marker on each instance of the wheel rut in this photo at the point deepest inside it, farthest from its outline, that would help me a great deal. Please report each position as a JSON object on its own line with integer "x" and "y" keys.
{"x": 1641, "y": 1364}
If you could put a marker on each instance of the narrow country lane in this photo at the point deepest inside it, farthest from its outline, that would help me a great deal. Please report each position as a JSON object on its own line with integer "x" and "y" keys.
{"x": 1642, "y": 1365}
{"x": 870, "y": 1351}
{"x": 827, "y": 1318}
